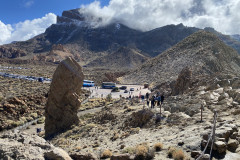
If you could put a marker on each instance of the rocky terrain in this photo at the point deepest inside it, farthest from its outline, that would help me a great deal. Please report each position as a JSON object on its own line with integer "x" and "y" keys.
{"x": 124, "y": 58}
{"x": 18, "y": 145}
{"x": 124, "y": 129}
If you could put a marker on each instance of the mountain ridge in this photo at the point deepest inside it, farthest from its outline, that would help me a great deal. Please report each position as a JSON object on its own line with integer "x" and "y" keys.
{"x": 203, "y": 52}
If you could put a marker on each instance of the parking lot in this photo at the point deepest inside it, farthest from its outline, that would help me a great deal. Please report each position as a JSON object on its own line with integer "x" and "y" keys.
{"x": 102, "y": 93}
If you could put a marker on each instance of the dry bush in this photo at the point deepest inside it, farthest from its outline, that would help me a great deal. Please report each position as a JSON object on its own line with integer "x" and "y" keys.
{"x": 171, "y": 151}
{"x": 178, "y": 155}
{"x": 105, "y": 116}
{"x": 158, "y": 146}
{"x": 106, "y": 154}
{"x": 143, "y": 152}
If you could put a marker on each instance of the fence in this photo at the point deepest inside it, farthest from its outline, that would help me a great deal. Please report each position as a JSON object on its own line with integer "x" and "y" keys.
{"x": 211, "y": 137}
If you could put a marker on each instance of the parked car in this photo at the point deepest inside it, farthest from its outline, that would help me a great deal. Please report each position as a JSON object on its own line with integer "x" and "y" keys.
{"x": 126, "y": 91}
{"x": 131, "y": 89}
{"x": 123, "y": 87}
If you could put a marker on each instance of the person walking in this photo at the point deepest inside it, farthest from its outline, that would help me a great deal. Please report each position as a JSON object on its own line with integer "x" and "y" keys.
{"x": 162, "y": 99}
{"x": 148, "y": 103}
{"x": 152, "y": 101}
{"x": 158, "y": 100}
{"x": 147, "y": 95}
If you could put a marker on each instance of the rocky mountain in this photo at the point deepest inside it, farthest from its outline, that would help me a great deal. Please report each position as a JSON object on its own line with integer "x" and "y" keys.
{"x": 236, "y": 36}
{"x": 202, "y": 52}
{"x": 232, "y": 41}
{"x": 80, "y": 37}
{"x": 125, "y": 58}
{"x": 82, "y": 40}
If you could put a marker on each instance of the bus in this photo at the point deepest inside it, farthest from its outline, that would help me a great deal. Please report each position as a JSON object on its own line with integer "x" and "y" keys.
{"x": 87, "y": 83}
{"x": 108, "y": 85}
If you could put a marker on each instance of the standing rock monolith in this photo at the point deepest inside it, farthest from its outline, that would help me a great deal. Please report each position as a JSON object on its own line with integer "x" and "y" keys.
{"x": 183, "y": 81}
{"x": 64, "y": 98}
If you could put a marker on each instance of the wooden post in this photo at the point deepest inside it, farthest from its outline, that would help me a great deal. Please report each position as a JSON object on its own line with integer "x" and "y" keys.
{"x": 160, "y": 112}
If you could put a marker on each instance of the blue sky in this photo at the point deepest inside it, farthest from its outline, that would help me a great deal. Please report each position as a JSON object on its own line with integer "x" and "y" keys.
{"x": 23, "y": 19}
{"x": 14, "y": 11}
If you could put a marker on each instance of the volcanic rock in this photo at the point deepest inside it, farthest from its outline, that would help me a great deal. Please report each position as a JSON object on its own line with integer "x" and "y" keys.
{"x": 183, "y": 81}
{"x": 63, "y": 101}
{"x": 20, "y": 145}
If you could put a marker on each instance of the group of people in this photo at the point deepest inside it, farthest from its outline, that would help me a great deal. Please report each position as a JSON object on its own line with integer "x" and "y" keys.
{"x": 156, "y": 100}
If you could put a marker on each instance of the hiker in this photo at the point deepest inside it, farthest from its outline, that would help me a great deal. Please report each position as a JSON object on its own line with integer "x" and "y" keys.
{"x": 152, "y": 101}
{"x": 162, "y": 99}
{"x": 142, "y": 97}
{"x": 147, "y": 95}
{"x": 148, "y": 103}
{"x": 158, "y": 100}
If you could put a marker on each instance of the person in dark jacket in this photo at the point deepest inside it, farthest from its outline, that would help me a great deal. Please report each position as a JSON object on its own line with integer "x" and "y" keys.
{"x": 152, "y": 101}
{"x": 162, "y": 99}
{"x": 158, "y": 100}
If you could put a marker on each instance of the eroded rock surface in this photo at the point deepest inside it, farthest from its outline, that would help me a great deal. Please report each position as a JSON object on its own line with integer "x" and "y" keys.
{"x": 64, "y": 97}
{"x": 20, "y": 145}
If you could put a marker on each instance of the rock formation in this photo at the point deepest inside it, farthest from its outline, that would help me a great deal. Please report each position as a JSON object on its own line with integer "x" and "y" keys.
{"x": 183, "y": 81}
{"x": 20, "y": 145}
{"x": 63, "y": 101}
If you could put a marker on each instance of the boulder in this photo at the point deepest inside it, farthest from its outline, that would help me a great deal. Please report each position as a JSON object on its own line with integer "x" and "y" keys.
{"x": 220, "y": 146}
{"x": 139, "y": 118}
{"x": 195, "y": 154}
{"x": 234, "y": 135}
{"x": 224, "y": 132}
{"x": 58, "y": 154}
{"x": 64, "y": 98}
{"x": 232, "y": 145}
{"x": 20, "y": 145}
{"x": 223, "y": 96}
{"x": 205, "y": 157}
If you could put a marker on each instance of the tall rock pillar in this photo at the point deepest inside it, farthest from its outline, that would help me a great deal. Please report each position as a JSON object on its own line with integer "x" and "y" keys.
{"x": 64, "y": 98}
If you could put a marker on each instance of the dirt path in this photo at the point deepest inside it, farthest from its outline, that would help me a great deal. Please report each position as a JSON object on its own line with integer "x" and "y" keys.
{"x": 32, "y": 129}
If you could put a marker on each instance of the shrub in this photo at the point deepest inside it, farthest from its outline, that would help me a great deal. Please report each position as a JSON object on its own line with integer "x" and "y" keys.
{"x": 178, "y": 155}
{"x": 142, "y": 150}
{"x": 106, "y": 154}
{"x": 158, "y": 146}
{"x": 130, "y": 150}
{"x": 171, "y": 151}
{"x": 109, "y": 97}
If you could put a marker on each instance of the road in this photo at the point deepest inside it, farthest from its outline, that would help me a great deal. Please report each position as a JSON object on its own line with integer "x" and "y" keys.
{"x": 98, "y": 93}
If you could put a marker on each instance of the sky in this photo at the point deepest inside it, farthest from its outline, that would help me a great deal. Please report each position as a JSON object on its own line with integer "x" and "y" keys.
{"x": 23, "y": 19}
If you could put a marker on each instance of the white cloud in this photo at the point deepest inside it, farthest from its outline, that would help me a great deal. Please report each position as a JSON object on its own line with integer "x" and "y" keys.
{"x": 25, "y": 30}
{"x": 28, "y": 4}
{"x": 223, "y": 15}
